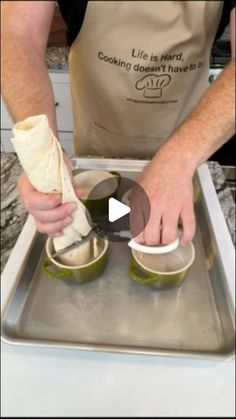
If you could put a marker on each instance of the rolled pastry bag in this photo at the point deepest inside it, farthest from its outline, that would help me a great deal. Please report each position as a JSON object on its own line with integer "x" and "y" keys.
{"x": 42, "y": 159}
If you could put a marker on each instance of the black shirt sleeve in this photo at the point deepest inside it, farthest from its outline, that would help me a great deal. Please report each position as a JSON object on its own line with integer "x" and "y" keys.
{"x": 225, "y": 17}
{"x": 73, "y": 12}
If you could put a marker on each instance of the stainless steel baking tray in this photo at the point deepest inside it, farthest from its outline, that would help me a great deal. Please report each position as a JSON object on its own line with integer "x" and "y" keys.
{"x": 113, "y": 313}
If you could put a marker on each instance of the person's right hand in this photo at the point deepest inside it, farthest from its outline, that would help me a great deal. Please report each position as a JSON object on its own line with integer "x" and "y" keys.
{"x": 51, "y": 216}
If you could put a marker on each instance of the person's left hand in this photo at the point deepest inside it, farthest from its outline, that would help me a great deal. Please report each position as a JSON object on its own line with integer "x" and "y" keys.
{"x": 168, "y": 185}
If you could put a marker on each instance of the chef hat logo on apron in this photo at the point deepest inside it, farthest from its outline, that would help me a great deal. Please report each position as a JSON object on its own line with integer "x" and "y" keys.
{"x": 152, "y": 85}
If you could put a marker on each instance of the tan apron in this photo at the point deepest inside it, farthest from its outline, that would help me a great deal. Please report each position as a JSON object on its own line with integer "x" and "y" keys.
{"x": 137, "y": 69}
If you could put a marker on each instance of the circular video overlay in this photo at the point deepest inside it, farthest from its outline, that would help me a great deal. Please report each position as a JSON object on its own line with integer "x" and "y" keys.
{"x": 120, "y": 208}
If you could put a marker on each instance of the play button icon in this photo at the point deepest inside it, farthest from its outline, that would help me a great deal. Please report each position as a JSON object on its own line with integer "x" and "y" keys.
{"x": 117, "y": 210}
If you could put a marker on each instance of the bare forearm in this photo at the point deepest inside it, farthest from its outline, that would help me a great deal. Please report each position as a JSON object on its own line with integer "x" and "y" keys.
{"x": 210, "y": 124}
{"x": 26, "y": 86}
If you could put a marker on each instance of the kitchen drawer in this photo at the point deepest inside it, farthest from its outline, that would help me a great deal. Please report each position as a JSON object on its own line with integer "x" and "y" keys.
{"x": 6, "y": 121}
{"x": 61, "y": 88}
{"x": 66, "y": 141}
{"x": 6, "y": 144}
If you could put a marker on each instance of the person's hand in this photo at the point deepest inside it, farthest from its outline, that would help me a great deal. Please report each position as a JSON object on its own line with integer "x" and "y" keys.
{"x": 51, "y": 216}
{"x": 168, "y": 185}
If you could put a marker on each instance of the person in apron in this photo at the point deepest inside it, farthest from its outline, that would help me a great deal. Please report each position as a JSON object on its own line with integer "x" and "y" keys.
{"x": 138, "y": 75}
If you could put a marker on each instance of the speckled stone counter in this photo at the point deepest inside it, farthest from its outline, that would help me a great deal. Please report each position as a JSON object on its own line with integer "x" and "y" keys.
{"x": 224, "y": 195}
{"x": 13, "y": 214}
{"x": 57, "y": 58}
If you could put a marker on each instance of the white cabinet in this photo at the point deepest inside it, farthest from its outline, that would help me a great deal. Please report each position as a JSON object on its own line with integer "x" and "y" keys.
{"x": 6, "y": 124}
{"x": 61, "y": 88}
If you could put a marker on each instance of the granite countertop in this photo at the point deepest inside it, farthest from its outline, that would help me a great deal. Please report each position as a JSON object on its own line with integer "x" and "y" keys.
{"x": 57, "y": 58}
{"x": 13, "y": 213}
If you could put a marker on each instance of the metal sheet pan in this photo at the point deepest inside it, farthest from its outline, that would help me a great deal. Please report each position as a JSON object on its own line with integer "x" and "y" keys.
{"x": 115, "y": 314}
